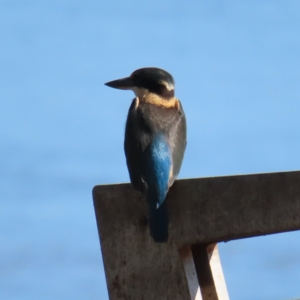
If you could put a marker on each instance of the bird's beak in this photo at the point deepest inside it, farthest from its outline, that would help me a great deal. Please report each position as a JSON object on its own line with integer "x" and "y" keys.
{"x": 122, "y": 84}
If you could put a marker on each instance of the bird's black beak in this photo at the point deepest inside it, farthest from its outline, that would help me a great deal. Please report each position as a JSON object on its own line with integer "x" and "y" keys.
{"x": 122, "y": 84}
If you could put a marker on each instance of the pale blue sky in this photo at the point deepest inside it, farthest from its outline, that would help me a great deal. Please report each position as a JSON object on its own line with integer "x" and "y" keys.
{"x": 237, "y": 70}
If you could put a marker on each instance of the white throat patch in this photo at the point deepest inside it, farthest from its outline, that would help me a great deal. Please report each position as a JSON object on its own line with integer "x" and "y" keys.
{"x": 140, "y": 92}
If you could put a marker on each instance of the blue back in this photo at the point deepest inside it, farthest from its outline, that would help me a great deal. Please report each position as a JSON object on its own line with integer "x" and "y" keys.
{"x": 156, "y": 167}
{"x": 157, "y": 164}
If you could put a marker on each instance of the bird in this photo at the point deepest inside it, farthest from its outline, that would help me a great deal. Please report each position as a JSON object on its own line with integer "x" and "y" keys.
{"x": 155, "y": 141}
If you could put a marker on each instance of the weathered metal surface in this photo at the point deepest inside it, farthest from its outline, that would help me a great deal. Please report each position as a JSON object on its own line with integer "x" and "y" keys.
{"x": 202, "y": 210}
{"x": 136, "y": 268}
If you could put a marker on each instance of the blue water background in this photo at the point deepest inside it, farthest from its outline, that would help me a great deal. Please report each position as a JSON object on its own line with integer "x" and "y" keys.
{"x": 237, "y": 71}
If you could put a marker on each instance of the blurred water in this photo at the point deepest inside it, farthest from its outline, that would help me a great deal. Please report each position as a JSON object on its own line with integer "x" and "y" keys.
{"x": 236, "y": 65}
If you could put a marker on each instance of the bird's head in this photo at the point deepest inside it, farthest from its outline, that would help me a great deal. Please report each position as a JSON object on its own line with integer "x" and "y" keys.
{"x": 147, "y": 80}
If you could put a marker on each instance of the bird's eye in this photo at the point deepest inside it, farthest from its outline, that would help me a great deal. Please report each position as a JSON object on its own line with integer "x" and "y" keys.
{"x": 134, "y": 76}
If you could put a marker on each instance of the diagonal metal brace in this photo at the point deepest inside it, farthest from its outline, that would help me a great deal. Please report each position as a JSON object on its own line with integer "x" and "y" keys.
{"x": 204, "y": 273}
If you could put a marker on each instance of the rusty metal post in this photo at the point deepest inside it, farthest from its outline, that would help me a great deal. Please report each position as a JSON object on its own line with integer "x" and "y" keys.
{"x": 202, "y": 211}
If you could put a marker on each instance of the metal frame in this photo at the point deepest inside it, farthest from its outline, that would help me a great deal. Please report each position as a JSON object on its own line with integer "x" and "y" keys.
{"x": 203, "y": 211}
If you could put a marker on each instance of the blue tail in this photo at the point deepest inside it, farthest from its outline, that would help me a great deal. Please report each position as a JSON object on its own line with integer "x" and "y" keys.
{"x": 158, "y": 221}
